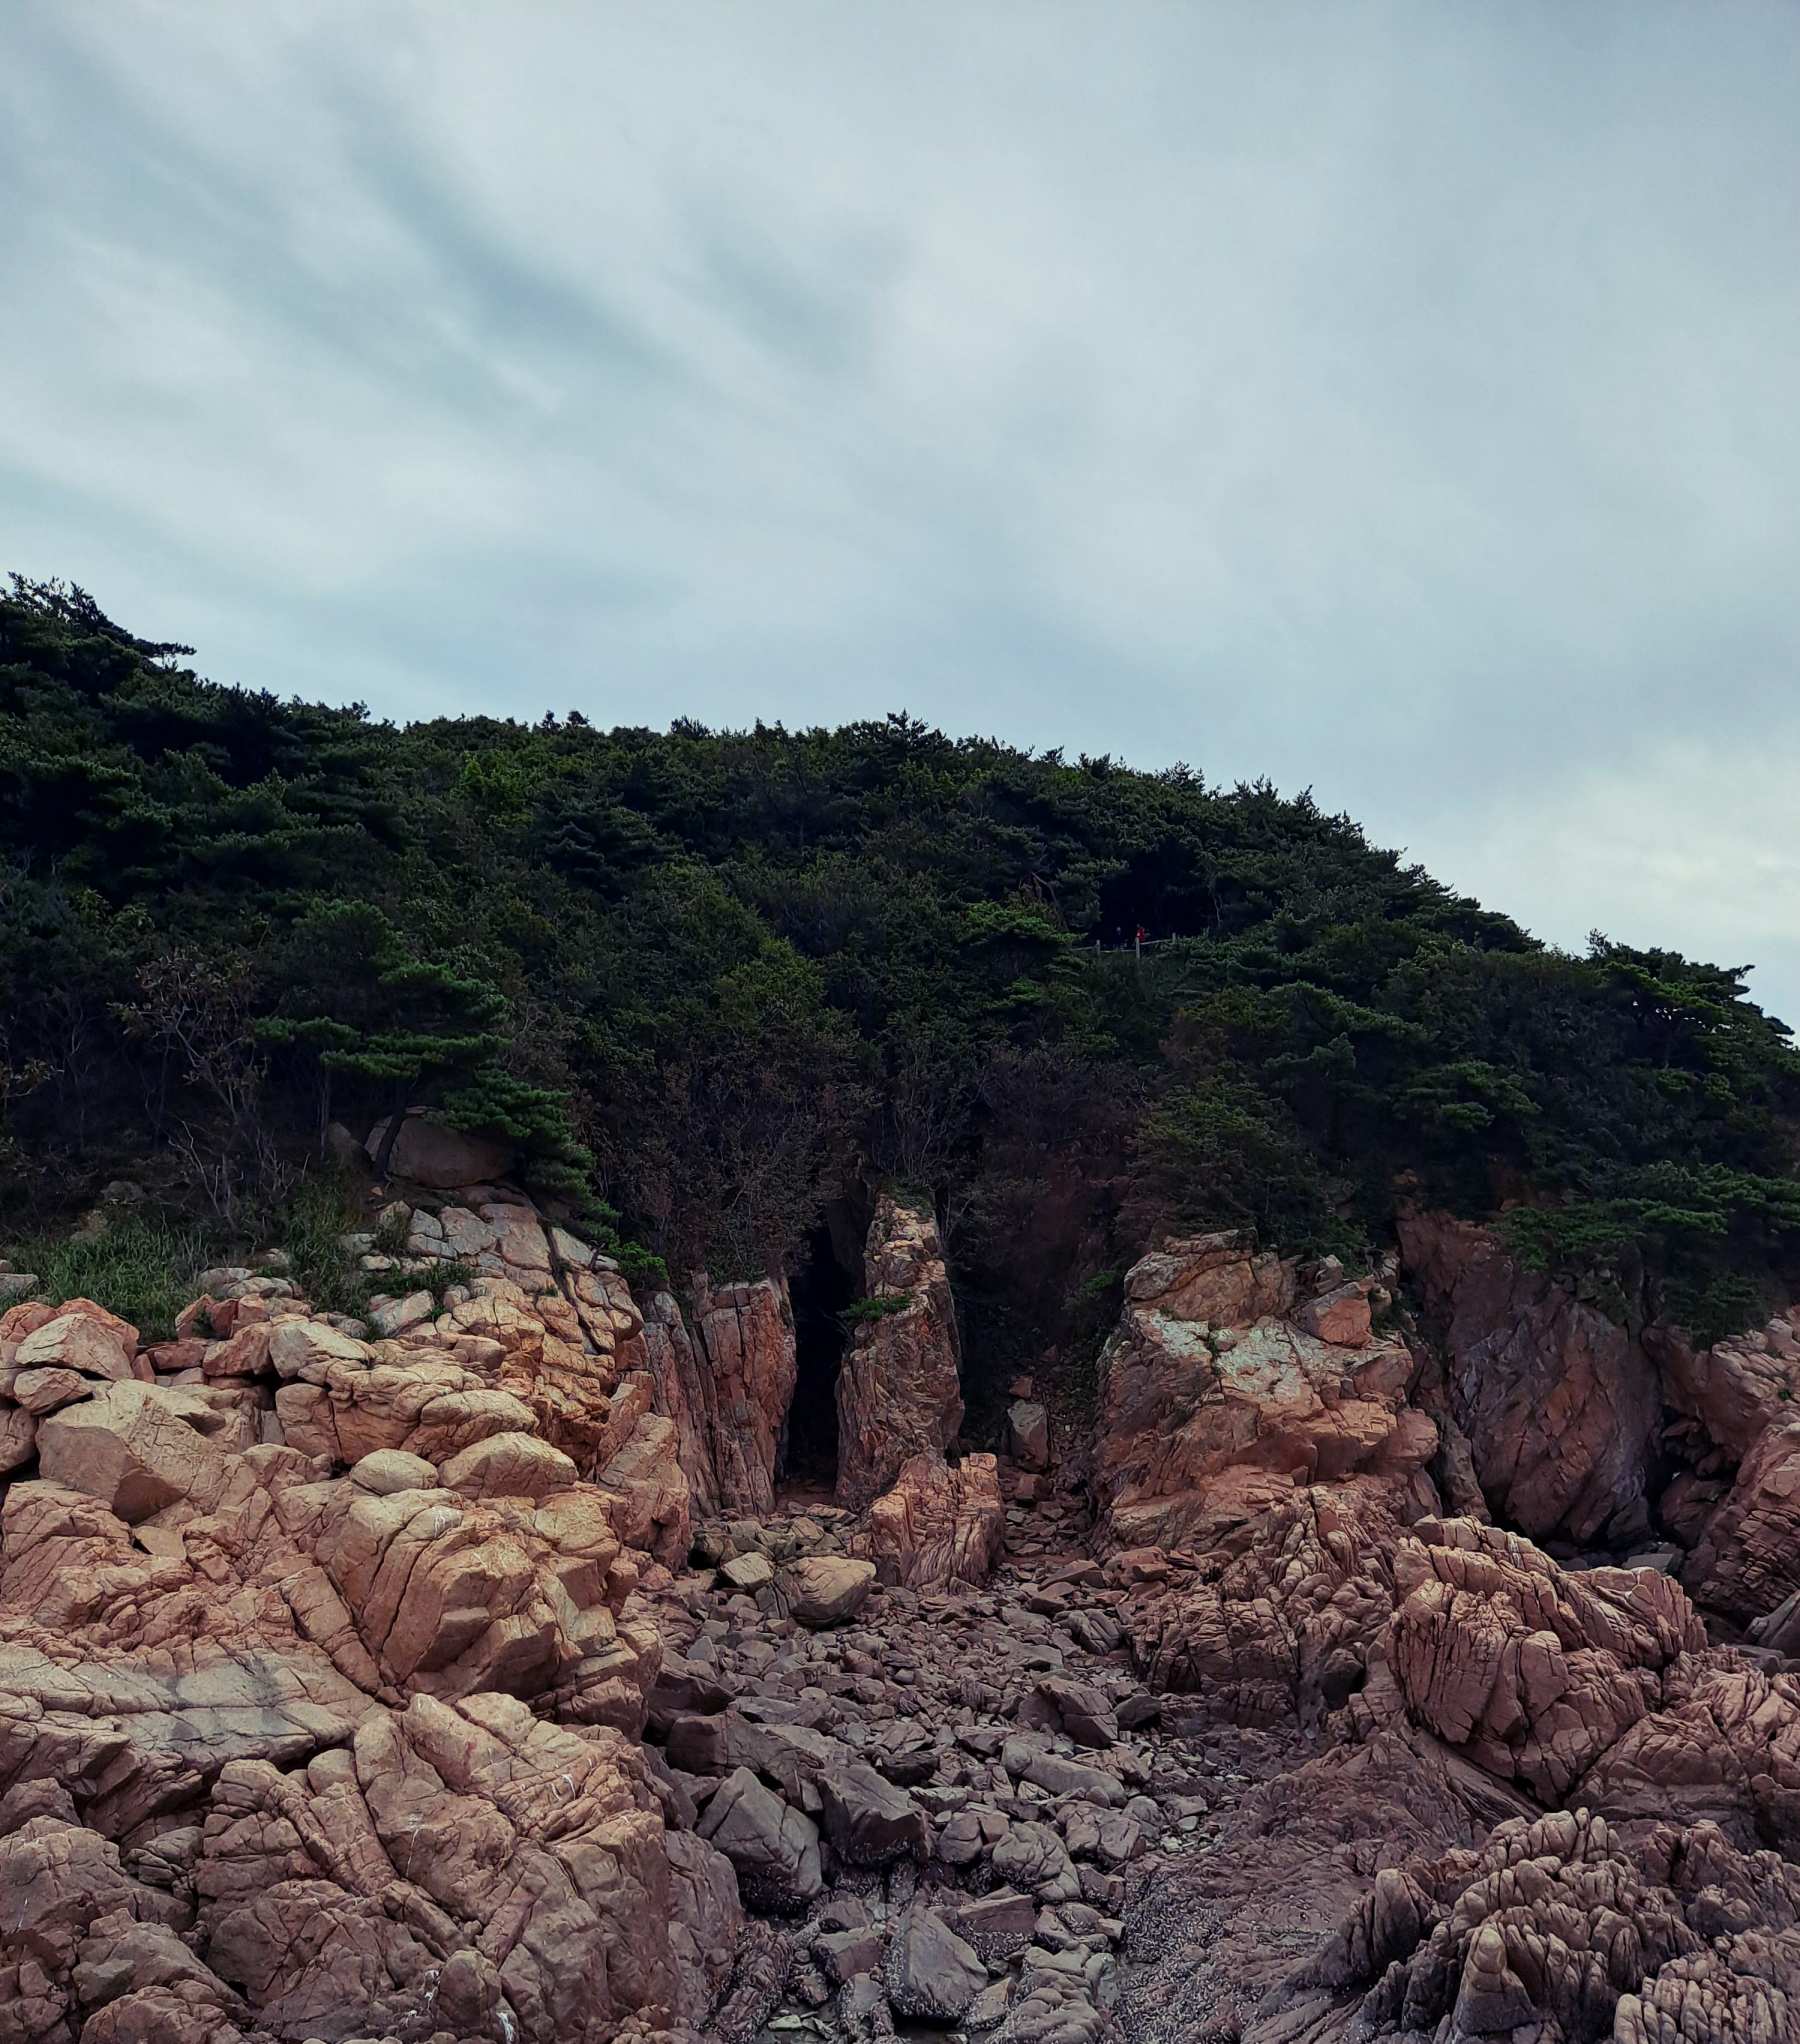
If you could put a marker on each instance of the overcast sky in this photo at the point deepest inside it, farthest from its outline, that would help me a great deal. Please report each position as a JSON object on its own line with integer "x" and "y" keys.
{"x": 1403, "y": 402}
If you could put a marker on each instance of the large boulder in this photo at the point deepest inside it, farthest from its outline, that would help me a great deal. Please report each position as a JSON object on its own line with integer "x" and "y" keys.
{"x": 774, "y": 1847}
{"x": 869, "y": 1821}
{"x": 899, "y": 1388}
{"x": 79, "y": 1336}
{"x": 431, "y": 1152}
{"x": 820, "y": 1590}
{"x": 939, "y": 1524}
{"x": 932, "y": 1974}
{"x": 136, "y": 1447}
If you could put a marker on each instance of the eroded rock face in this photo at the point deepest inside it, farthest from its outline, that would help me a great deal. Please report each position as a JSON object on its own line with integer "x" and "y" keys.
{"x": 1532, "y": 1670}
{"x": 470, "y": 1816}
{"x": 899, "y": 1389}
{"x": 1559, "y": 1403}
{"x": 1210, "y": 1375}
{"x": 1555, "y": 1928}
{"x": 321, "y": 1675}
{"x": 939, "y": 1524}
{"x": 1258, "y": 1457}
{"x": 1275, "y": 1613}
{"x": 724, "y": 1378}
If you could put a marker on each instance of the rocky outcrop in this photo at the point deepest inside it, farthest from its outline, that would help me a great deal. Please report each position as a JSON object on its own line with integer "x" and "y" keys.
{"x": 724, "y": 1377}
{"x": 1734, "y": 1389}
{"x": 939, "y": 1525}
{"x": 1277, "y": 1615}
{"x": 381, "y": 1681}
{"x": 321, "y": 1675}
{"x": 1559, "y": 1403}
{"x": 1257, "y": 1458}
{"x": 1214, "y": 1385}
{"x": 1554, "y": 1928}
{"x": 1531, "y": 1670}
{"x": 899, "y": 1388}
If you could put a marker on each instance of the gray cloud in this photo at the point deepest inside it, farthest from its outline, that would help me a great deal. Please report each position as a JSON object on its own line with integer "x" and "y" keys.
{"x": 1398, "y": 401}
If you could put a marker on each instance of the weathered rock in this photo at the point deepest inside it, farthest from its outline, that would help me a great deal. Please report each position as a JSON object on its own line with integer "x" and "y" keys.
{"x": 1555, "y": 1929}
{"x": 1560, "y": 1404}
{"x": 1533, "y": 1670}
{"x": 899, "y": 1391}
{"x": 1076, "y": 1708}
{"x": 430, "y": 1152}
{"x": 824, "y": 1589}
{"x": 1028, "y": 1434}
{"x": 1747, "y": 1561}
{"x": 392, "y": 1469}
{"x": 395, "y": 1316}
{"x": 725, "y": 1380}
{"x": 137, "y": 1448}
{"x": 1280, "y": 1612}
{"x": 82, "y": 1337}
{"x": 774, "y": 1847}
{"x": 1190, "y": 1395}
{"x": 1031, "y": 1856}
{"x": 932, "y": 1975}
{"x": 748, "y": 1572}
{"x": 646, "y": 1478}
{"x": 939, "y": 1525}
{"x": 509, "y": 1466}
{"x": 870, "y": 1822}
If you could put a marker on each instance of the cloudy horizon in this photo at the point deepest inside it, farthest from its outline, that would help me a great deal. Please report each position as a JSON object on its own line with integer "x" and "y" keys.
{"x": 1396, "y": 401}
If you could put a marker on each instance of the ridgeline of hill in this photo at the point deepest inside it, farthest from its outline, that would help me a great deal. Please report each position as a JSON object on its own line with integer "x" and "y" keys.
{"x": 714, "y": 981}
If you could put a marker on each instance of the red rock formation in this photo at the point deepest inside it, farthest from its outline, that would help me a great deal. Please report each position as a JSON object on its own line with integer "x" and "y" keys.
{"x": 1560, "y": 1404}
{"x": 938, "y": 1524}
{"x": 320, "y": 1678}
{"x": 1532, "y": 1670}
{"x": 1210, "y": 1376}
{"x": 899, "y": 1389}
{"x": 724, "y": 1378}
{"x": 1555, "y": 1929}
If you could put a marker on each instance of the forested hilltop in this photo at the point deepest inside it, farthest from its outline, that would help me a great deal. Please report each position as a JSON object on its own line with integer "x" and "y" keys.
{"x": 716, "y": 981}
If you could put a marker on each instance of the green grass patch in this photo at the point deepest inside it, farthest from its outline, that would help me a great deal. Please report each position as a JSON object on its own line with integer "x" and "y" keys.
{"x": 143, "y": 1268}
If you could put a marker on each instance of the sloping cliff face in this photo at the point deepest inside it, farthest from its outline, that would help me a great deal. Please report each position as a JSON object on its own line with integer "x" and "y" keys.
{"x": 1560, "y": 1404}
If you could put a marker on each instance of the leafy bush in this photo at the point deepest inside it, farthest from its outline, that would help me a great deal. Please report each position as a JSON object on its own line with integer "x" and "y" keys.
{"x": 864, "y": 1312}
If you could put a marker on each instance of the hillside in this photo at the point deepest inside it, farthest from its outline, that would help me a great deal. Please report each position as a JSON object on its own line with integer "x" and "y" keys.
{"x": 686, "y": 1387}
{"x": 719, "y": 985}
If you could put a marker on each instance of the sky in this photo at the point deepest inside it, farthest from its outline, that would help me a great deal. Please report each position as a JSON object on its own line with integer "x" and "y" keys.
{"x": 1397, "y": 401}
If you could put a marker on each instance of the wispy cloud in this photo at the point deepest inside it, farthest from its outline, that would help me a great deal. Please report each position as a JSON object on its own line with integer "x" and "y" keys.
{"x": 1400, "y": 401}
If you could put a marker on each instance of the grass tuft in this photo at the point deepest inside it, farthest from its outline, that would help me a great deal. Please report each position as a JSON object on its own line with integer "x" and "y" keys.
{"x": 143, "y": 1268}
